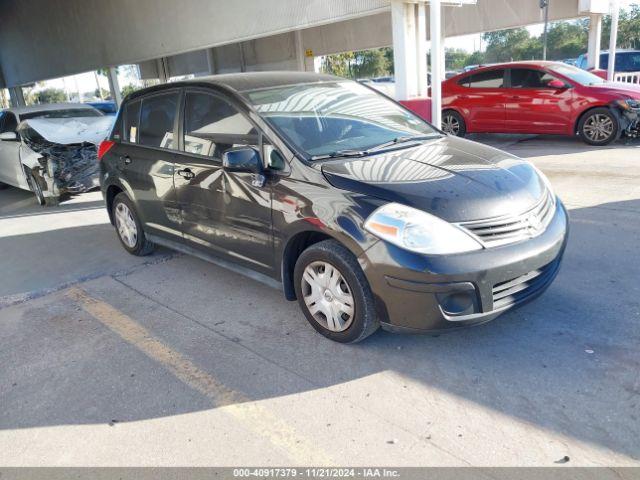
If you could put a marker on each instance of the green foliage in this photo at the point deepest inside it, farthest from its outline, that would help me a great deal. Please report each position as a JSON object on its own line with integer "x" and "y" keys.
{"x": 360, "y": 64}
{"x": 49, "y": 95}
{"x": 127, "y": 89}
{"x": 628, "y": 28}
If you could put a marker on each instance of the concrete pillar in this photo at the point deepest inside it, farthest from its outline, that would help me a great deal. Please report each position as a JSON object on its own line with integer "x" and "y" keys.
{"x": 403, "y": 27}
{"x": 17, "y": 97}
{"x": 421, "y": 53}
{"x": 114, "y": 85}
{"x": 595, "y": 35}
{"x": 163, "y": 69}
{"x": 300, "y": 55}
{"x": 211, "y": 60}
{"x": 437, "y": 71}
{"x": 613, "y": 39}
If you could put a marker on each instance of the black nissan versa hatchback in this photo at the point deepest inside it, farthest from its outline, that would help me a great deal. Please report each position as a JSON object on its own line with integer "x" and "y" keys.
{"x": 365, "y": 213}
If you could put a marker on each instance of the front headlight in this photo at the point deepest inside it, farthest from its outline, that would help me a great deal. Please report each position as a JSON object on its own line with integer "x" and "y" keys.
{"x": 546, "y": 181}
{"x": 628, "y": 104}
{"x": 418, "y": 231}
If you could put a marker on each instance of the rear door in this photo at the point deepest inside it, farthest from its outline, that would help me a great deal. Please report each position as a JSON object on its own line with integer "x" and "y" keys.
{"x": 224, "y": 212}
{"x": 482, "y": 101}
{"x": 534, "y": 107}
{"x": 146, "y": 156}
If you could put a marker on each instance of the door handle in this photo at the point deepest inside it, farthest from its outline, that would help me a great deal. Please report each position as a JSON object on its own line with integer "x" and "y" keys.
{"x": 515, "y": 97}
{"x": 126, "y": 159}
{"x": 186, "y": 173}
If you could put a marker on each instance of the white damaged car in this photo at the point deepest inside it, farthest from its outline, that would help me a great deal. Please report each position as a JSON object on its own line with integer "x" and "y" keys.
{"x": 51, "y": 150}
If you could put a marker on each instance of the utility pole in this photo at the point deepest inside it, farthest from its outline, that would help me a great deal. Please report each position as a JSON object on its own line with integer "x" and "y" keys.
{"x": 544, "y": 4}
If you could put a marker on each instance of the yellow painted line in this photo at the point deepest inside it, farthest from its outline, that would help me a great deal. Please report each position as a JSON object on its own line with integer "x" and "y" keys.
{"x": 254, "y": 417}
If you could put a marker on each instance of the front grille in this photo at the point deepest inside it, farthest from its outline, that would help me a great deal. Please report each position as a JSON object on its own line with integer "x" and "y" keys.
{"x": 520, "y": 288}
{"x": 497, "y": 231}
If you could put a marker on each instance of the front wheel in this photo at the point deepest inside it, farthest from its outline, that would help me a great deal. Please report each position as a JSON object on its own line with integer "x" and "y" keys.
{"x": 599, "y": 127}
{"x": 453, "y": 123}
{"x": 129, "y": 227}
{"x": 36, "y": 189}
{"x": 334, "y": 293}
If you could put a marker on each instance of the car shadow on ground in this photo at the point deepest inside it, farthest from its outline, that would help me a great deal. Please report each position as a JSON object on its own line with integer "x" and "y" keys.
{"x": 527, "y": 146}
{"x": 568, "y": 362}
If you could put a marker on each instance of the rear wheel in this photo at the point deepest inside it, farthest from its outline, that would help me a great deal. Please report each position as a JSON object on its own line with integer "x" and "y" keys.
{"x": 334, "y": 293}
{"x": 453, "y": 123}
{"x": 129, "y": 228}
{"x": 599, "y": 127}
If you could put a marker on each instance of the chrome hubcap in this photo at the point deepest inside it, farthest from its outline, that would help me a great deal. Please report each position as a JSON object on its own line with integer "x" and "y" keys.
{"x": 126, "y": 225}
{"x": 450, "y": 125}
{"x": 327, "y": 296}
{"x": 598, "y": 127}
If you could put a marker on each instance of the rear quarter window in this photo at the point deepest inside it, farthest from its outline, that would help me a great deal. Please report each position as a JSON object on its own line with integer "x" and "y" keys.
{"x": 131, "y": 122}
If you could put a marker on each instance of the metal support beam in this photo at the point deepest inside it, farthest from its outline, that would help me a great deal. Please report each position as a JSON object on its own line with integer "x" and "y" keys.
{"x": 613, "y": 39}
{"x": 437, "y": 74}
{"x": 17, "y": 97}
{"x": 595, "y": 36}
{"x": 114, "y": 85}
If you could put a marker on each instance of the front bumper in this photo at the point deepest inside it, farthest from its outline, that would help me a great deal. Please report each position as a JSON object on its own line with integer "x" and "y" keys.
{"x": 415, "y": 293}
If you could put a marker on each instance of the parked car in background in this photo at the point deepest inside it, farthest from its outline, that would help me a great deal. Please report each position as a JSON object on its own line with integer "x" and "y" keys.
{"x": 540, "y": 98}
{"x": 107, "y": 107}
{"x": 626, "y": 61}
{"x": 51, "y": 149}
{"x": 365, "y": 213}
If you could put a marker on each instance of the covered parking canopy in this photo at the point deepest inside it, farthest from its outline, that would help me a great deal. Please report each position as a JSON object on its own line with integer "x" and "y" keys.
{"x": 44, "y": 39}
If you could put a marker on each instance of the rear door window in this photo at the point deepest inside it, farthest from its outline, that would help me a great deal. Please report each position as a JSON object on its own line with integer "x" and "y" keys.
{"x": 212, "y": 126}
{"x": 157, "y": 116}
{"x": 131, "y": 122}
{"x": 488, "y": 79}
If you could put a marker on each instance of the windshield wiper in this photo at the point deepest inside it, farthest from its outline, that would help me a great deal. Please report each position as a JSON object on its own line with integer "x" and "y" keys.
{"x": 399, "y": 140}
{"x": 340, "y": 153}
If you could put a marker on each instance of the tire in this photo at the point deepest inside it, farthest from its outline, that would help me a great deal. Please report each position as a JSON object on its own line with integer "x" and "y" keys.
{"x": 453, "y": 123}
{"x": 131, "y": 235}
{"x": 599, "y": 127}
{"x": 36, "y": 189}
{"x": 350, "y": 286}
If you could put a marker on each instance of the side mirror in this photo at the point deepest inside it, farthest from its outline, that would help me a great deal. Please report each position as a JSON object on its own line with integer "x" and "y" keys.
{"x": 9, "y": 136}
{"x": 242, "y": 159}
{"x": 557, "y": 84}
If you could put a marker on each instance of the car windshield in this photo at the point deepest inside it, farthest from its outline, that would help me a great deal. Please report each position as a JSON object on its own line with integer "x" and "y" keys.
{"x": 62, "y": 113}
{"x": 577, "y": 75}
{"x": 328, "y": 118}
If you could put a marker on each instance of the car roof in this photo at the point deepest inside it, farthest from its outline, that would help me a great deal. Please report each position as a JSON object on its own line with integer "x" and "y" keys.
{"x": 45, "y": 107}
{"x": 246, "y": 81}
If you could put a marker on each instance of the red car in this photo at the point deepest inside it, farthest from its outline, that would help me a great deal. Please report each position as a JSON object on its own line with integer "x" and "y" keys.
{"x": 540, "y": 98}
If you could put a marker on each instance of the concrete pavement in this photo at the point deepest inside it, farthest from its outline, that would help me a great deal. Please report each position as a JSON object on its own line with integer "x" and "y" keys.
{"x": 109, "y": 359}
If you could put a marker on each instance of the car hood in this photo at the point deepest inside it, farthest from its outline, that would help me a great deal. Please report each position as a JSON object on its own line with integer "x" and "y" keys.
{"x": 619, "y": 88}
{"x": 452, "y": 178}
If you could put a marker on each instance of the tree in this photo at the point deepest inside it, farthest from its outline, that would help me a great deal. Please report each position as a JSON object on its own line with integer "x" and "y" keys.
{"x": 508, "y": 45}
{"x": 49, "y": 95}
{"x": 361, "y": 64}
{"x": 127, "y": 89}
{"x": 628, "y": 29}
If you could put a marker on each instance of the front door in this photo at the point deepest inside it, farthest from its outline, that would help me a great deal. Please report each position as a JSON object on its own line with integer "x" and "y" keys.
{"x": 11, "y": 171}
{"x": 146, "y": 157}
{"x": 224, "y": 213}
{"x": 533, "y": 106}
